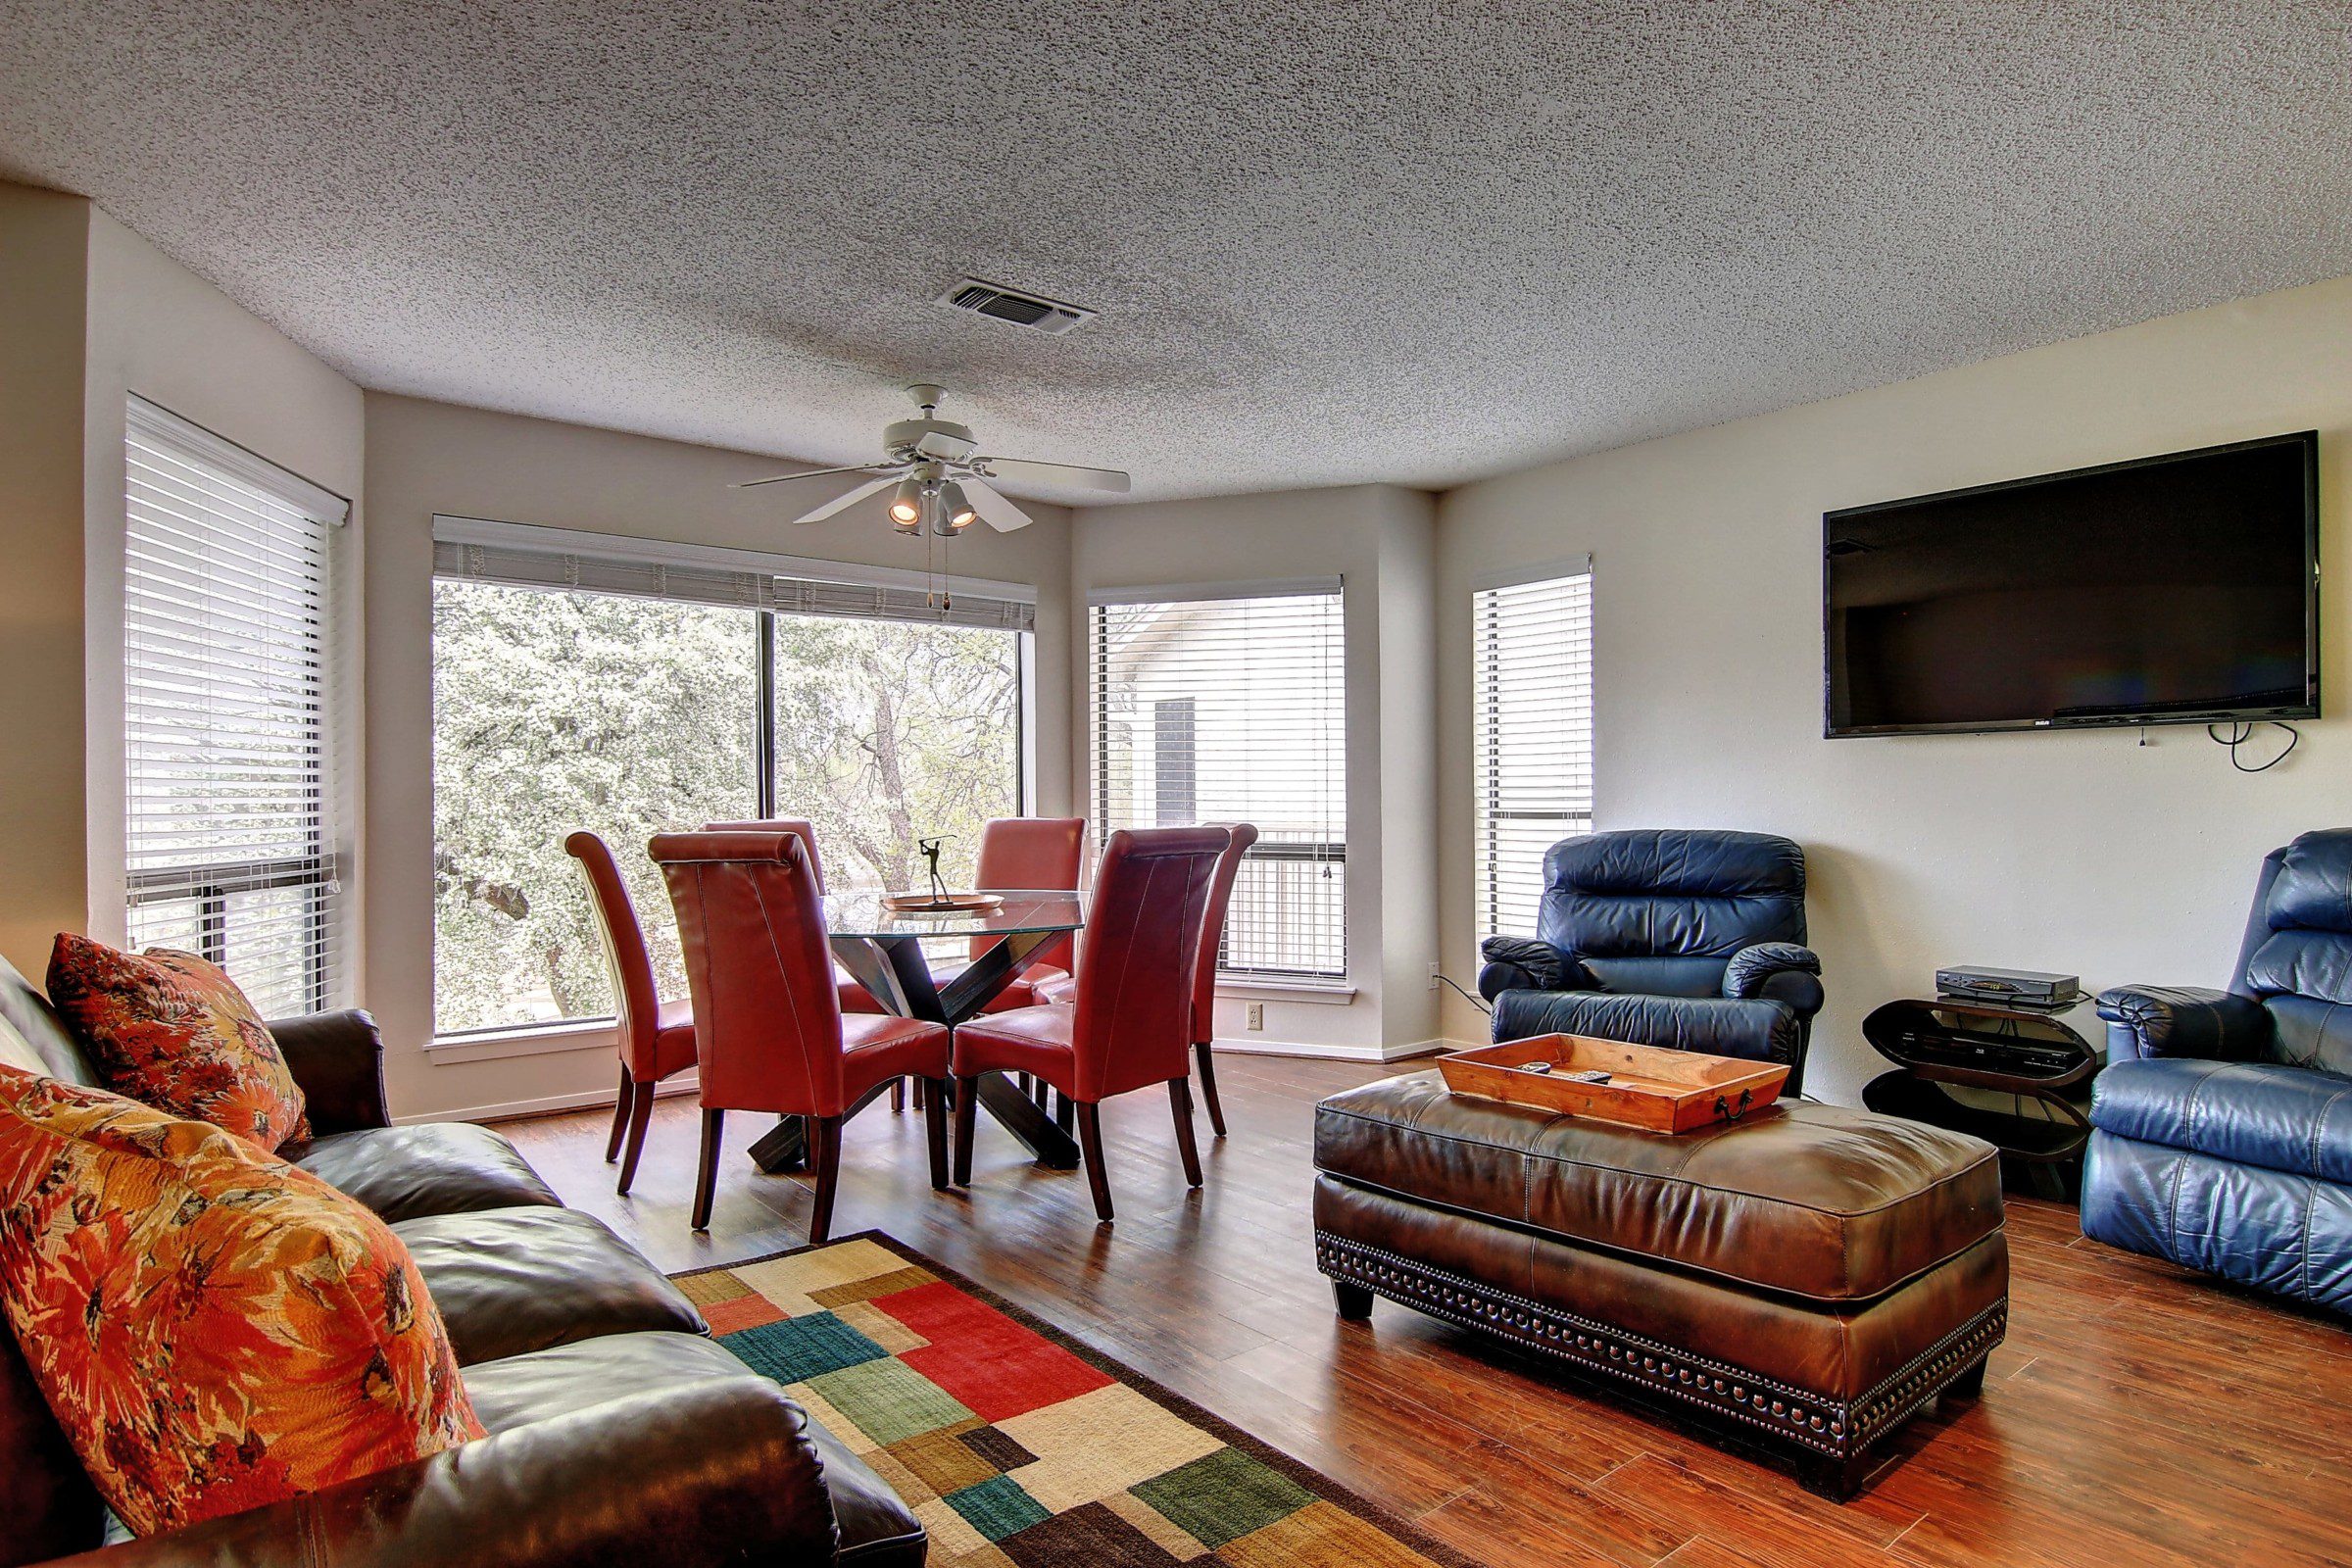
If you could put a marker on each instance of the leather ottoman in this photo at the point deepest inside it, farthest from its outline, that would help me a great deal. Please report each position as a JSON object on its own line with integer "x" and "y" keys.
{"x": 1810, "y": 1276}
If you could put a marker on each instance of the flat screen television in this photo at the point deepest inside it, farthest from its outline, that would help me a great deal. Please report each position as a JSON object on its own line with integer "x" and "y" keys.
{"x": 2174, "y": 589}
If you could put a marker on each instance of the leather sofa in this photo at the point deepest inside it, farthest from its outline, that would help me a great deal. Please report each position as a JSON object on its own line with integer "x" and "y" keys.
{"x": 1689, "y": 939}
{"x": 618, "y": 1430}
{"x": 2221, "y": 1127}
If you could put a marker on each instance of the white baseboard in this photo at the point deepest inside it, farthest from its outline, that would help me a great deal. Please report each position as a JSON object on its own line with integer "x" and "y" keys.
{"x": 551, "y": 1105}
{"x": 1324, "y": 1052}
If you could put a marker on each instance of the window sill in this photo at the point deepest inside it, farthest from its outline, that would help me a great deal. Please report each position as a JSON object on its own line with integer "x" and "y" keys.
{"x": 1327, "y": 993}
{"x": 525, "y": 1040}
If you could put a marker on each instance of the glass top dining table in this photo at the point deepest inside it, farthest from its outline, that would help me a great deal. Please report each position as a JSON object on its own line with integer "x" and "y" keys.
{"x": 883, "y": 949}
{"x": 864, "y": 916}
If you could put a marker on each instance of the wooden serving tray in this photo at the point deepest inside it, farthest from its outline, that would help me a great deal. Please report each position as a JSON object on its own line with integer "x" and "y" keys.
{"x": 953, "y": 903}
{"x": 1657, "y": 1089}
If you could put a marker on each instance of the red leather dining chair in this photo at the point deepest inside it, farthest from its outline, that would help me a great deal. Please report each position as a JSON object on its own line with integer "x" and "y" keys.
{"x": 1132, "y": 1025}
{"x": 767, "y": 1021}
{"x": 656, "y": 1037}
{"x": 1204, "y": 968}
{"x": 854, "y": 997}
{"x": 1030, "y": 854}
{"x": 1063, "y": 988}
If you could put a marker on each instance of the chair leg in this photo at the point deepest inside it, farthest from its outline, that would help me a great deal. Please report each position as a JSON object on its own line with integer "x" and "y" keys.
{"x": 641, "y": 1111}
{"x": 1208, "y": 1087}
{"x": 1180, "y": 1099}
{"x": 1061, "y": 1111}
{"x": 1090, "y": 1144}
{"x": 825, "y": 1133}
{"x": 705, "y": 1181}
{"x": 620, "y": 1114}
{"x": 935, "y": 1135}
{"x": 967, "y": 1106}
{"x": 922, "y": 1093}
{"x": 898, "y": 1095}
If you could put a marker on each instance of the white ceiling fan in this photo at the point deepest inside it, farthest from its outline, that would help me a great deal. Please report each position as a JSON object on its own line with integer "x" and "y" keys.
{"x": 941, "y": 478}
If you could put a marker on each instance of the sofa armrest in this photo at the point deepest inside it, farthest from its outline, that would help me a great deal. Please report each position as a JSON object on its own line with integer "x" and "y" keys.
{"x": 1775, "y": 971}
{"x": 1526, "y": 964}
{"x": 338, "y": 1060}
{"x": 2184, "y": 1021}
{"x": 716, "y": 1472}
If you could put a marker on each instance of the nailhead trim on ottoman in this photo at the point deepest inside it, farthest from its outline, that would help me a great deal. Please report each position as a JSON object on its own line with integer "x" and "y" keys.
{"x": 1833, "y": 1428}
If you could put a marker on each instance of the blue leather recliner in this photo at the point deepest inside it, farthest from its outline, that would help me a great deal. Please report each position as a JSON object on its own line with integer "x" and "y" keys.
{"x": 1689, "y": 939}
{"x": 2221, "y": 1127}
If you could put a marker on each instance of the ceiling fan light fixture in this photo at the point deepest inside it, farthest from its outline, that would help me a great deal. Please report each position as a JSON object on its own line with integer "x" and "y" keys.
{"x": 955, "y": 513}
{"x": 907, "y": 506}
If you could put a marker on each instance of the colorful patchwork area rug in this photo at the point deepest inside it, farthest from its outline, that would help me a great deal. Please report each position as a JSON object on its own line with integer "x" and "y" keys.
{"x": 1017, "y": 1447}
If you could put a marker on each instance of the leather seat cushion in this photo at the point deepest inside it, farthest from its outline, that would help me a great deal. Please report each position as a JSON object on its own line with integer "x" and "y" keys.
{"x": 512, "y": 1281}
{"x": 877, "y": 1529}
{"x": 1031, "y": 1040}
{"x": 445, "y": 1167}
{"x": 877, "y": 1047}
{"x": 673, "y": 1038}
{"x": 853, "y": 996}
{"x": 2292, "y": 1119}
{"x": 1821, "y": 1202}
{"x": 1054, "y": 986}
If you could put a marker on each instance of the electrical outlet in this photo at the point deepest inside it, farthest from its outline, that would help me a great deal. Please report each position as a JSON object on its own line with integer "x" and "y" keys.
{"x": 1258, "y": 1015}
{"x": 1433, "y": 977}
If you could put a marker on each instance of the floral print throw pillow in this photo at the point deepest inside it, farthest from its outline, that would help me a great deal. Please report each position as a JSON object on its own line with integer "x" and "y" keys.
{"x": 214, "y": 1329}
{"x": 170, "y": 1030}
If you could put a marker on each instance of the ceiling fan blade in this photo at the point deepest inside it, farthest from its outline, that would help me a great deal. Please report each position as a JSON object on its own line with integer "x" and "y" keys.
{"x": 994, "y": 511}
{"x": 808, "y": 473}
{"x": 1112, "y": 479}
{"x": 849, "y": 498}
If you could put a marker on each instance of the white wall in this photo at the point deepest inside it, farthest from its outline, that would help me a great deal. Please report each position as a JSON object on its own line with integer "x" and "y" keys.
{"x": 95, "y": 311}
{"x": 426, "y": 457}
{"x": 1380, "y": 541}
{"x": 2088, "y": 853}
{"x": 161, "y": 331}
{"x": 44, "y": 247}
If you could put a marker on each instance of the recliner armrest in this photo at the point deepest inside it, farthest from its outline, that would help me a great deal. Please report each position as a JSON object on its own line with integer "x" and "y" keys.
{"x": 714, "y": 1472}
{"x": 1525, "y": 963}
{"x": 1775, "y": 971}
{"x": 338, "y": 1060}
{"x": 2185, "y": 1021}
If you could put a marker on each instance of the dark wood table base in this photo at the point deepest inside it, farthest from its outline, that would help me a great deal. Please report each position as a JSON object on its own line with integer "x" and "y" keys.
{"x": 898, "y": 976}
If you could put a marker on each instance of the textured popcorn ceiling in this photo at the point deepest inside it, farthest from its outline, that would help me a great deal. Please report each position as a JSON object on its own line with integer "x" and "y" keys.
{"x": 1329, "y": 242}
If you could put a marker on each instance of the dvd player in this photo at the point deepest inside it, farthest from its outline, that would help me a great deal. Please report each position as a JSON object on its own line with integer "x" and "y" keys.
{"x": 2031, "y": 987}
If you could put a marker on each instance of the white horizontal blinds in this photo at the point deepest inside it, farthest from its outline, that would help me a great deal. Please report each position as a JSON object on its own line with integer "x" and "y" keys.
{"x": 1530, "y": 738}
{"x": 230, "y": 838}
{"x": 1217, "y": 709}
{"x": 743, "y": 588}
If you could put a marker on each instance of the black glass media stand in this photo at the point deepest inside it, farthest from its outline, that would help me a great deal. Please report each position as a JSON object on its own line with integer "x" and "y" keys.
{"x": 2017, "y": 1077}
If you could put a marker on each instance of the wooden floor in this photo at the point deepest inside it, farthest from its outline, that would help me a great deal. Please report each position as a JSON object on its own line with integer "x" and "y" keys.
{"x": 2136, "y": 1415}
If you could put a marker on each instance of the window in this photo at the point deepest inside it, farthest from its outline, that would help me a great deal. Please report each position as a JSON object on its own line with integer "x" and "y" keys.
{"x": 1530, "y": 738}
{"x": 1233, "y": 708}
{"x": 576, "y": 687}
{"x": 230, "y": 777}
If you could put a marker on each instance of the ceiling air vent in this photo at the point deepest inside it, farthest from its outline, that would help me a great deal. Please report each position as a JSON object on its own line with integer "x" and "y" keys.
{"x": 1011, "y": 305}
